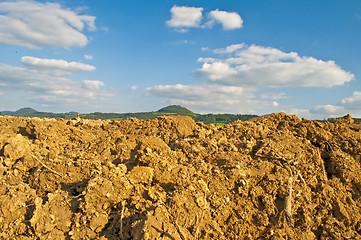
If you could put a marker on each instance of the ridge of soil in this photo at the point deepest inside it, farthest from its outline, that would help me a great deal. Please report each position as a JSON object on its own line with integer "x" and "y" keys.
{"x": 274, "y": 177}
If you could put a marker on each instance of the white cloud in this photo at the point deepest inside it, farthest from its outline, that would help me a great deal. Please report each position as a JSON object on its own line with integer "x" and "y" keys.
{"x": 60, "y": 67}
{"x": 218, "y": 71}
{"x": 89, "y": 84}
{"x": 36, "y": 25}
{"x": 46, "y": 87}
{"x": 254, "y": 54}
{"x": 2, "y": 94}
{"x": 350, "y": 105}
{"x": 88, "y": 57}
{"x": 229, "y": 49}
{"x": 353, "y": 102}
{"x": 264, "y": 66}
{"x": 229, "y": 20}
{"x": 205, "y": 98}
{"x": 133, "y": 88}
{"x": 185, "y": 17}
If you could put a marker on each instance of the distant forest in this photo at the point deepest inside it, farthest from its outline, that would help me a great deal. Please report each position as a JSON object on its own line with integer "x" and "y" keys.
{"x": 217, "y": 119}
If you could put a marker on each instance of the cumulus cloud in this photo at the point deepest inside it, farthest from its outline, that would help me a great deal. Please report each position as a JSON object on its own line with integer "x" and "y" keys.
{"x": 185, "y": 17}
{"x": 229, "y": 20}
{"x": 205, "y": 98}
{"x": 45, "y": 87}
{"x": 265, "y": 66}
{"x": 36, "y": 25}
{"x": 61, "y": 67}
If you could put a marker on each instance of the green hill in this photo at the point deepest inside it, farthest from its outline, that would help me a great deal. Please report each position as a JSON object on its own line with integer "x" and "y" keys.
{"x": 30, "y": 112}
{"x": 25, "y": 112}
{"x": 176, "y": 109}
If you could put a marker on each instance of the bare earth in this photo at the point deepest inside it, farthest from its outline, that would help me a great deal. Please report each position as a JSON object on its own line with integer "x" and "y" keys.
{"x": 275, "y": 177}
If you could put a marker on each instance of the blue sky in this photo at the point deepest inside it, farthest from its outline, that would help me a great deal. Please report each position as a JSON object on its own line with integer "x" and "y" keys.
{"x": 251, "y": 56}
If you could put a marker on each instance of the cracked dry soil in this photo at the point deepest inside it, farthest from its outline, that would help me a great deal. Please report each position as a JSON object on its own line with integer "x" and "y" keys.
{"x": 275, "y": 177}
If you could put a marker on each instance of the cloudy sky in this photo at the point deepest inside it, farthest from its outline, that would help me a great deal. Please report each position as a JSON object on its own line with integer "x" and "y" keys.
{"x": 251, "y": 56}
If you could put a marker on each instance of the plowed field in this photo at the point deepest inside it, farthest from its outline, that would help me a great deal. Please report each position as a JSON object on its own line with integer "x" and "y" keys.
{"x": 275, "y": 177}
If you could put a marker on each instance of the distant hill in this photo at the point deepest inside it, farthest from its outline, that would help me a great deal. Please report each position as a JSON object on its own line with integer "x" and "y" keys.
{"x": 21, "y": 112}
{"x": 30, "y": 112}
{"x": 25, "y": 112}
{"x": 176, "y": 109}
{"x": 166, "y": 111}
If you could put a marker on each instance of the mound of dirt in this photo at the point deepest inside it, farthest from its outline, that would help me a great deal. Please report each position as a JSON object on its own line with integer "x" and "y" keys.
{"x": 275, "y": 177}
